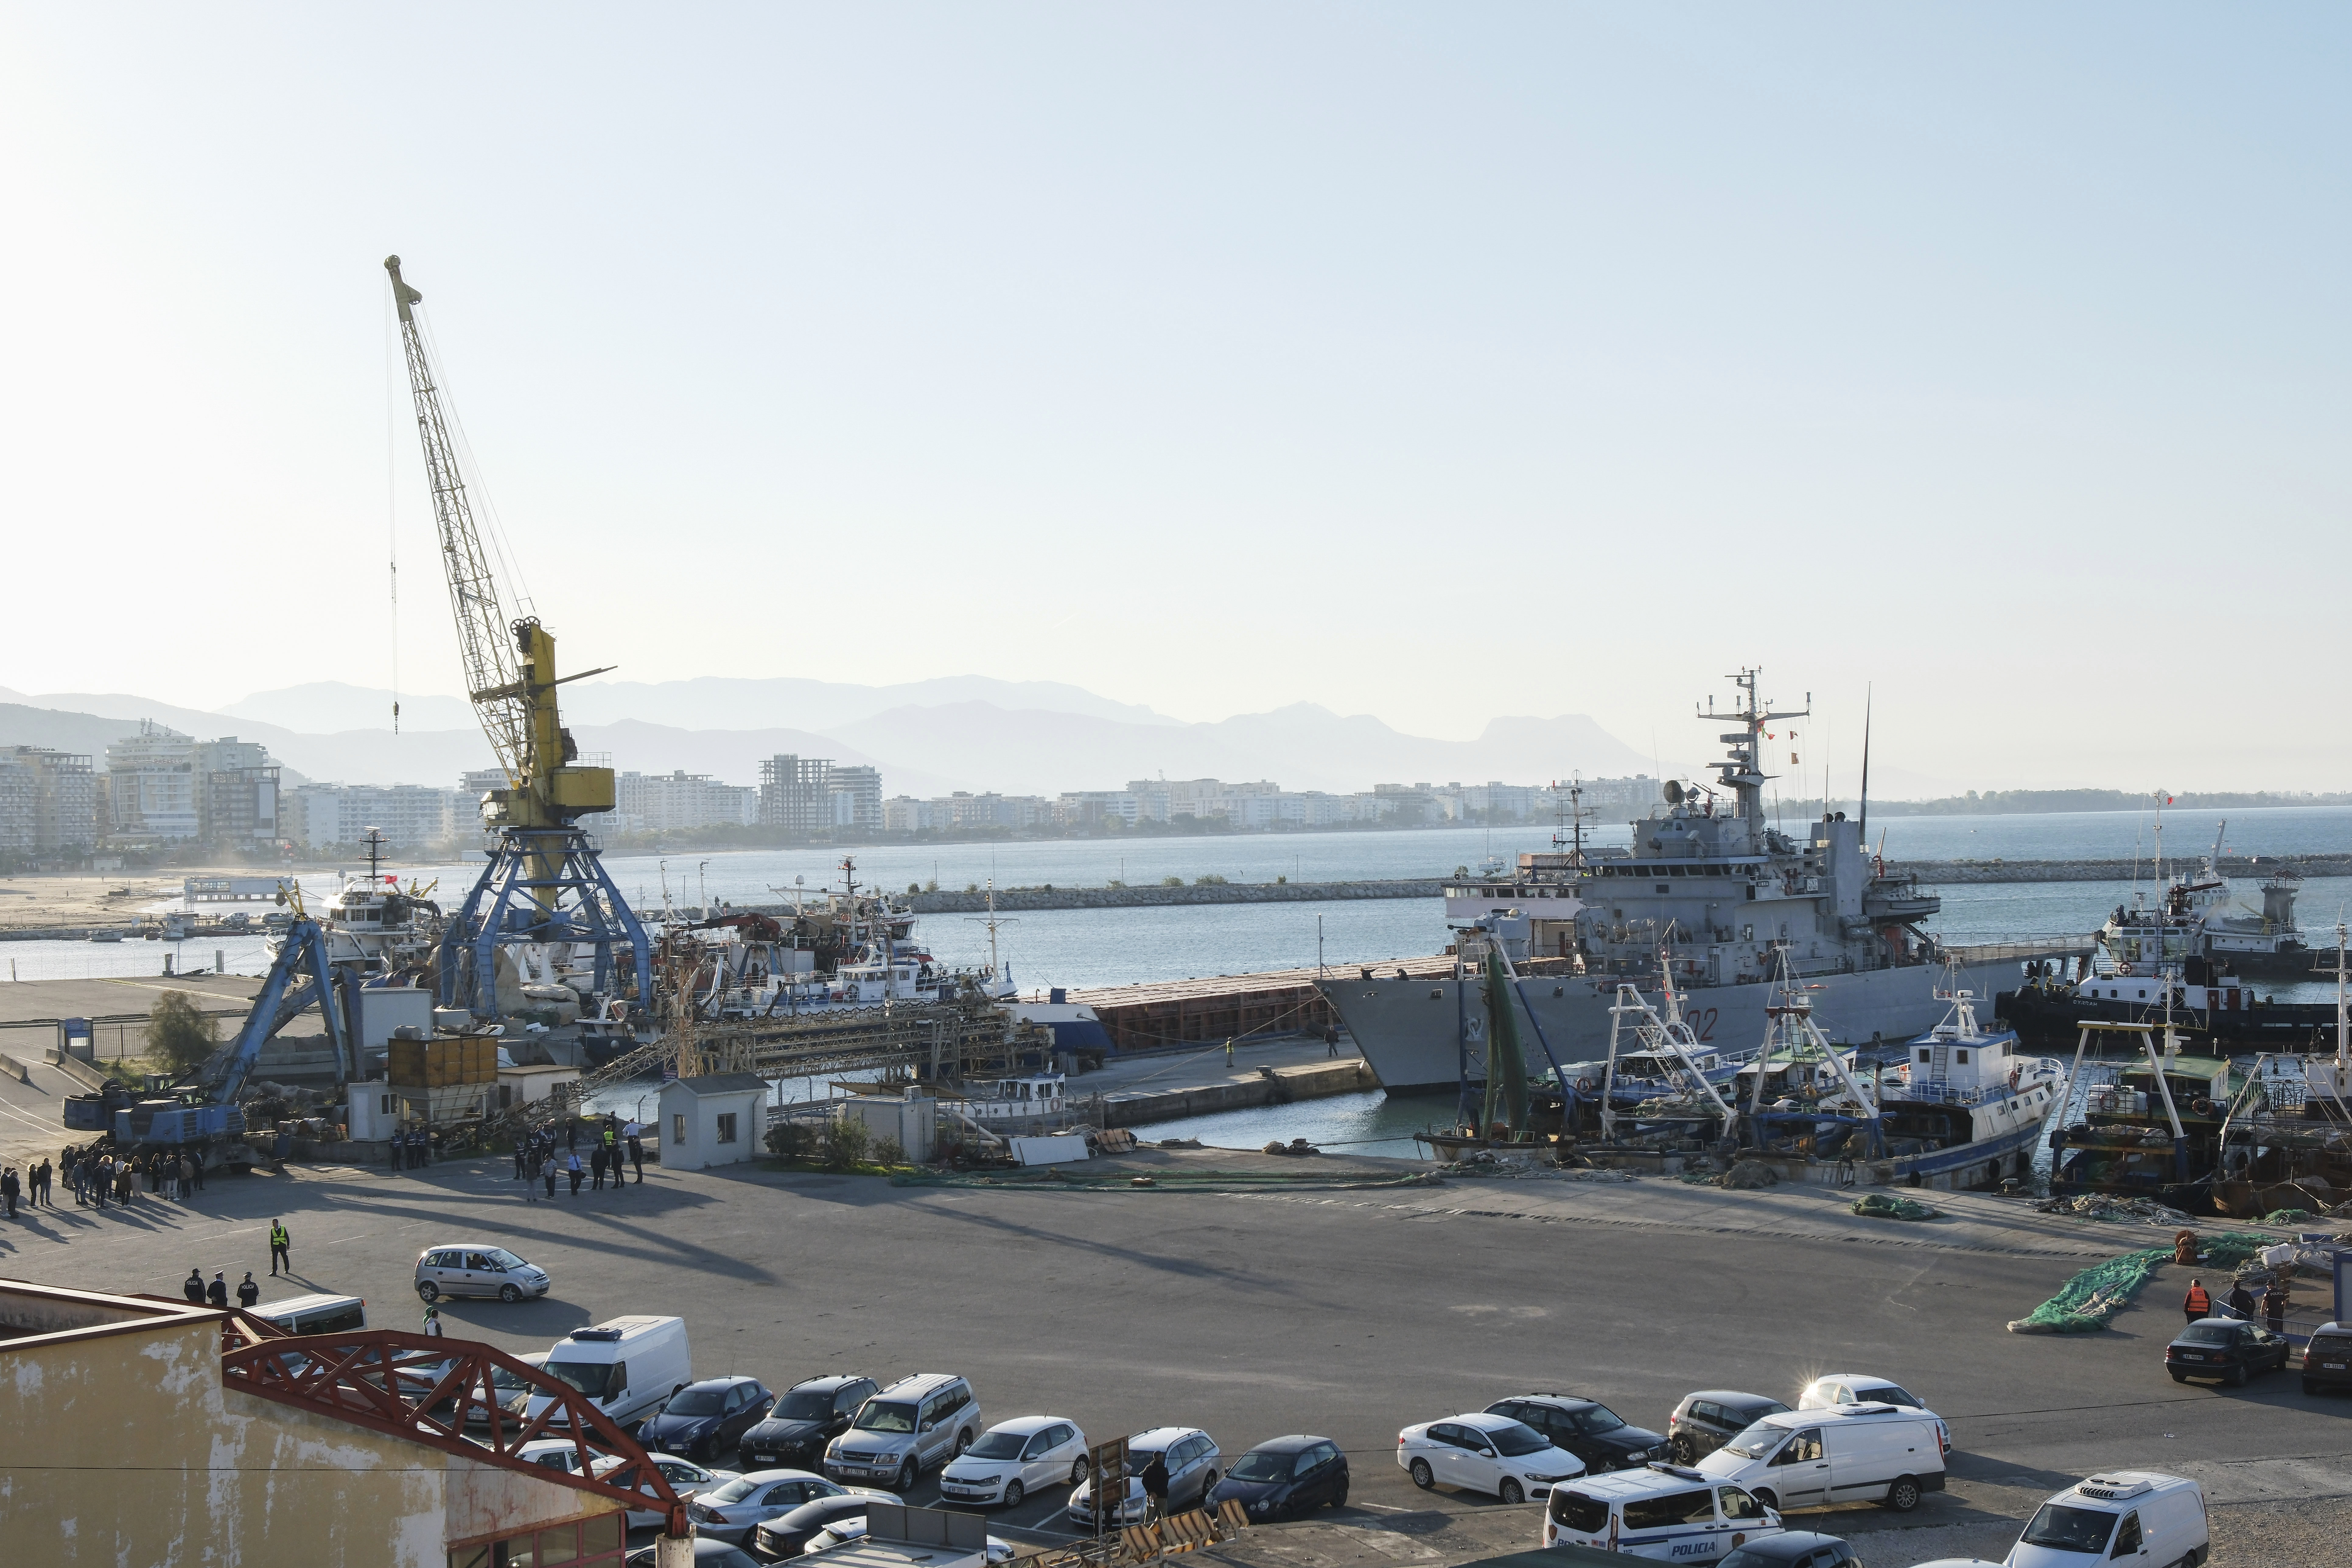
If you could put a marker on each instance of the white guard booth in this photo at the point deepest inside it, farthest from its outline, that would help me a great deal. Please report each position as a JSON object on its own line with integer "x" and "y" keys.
{"x": 713, "y": 1120}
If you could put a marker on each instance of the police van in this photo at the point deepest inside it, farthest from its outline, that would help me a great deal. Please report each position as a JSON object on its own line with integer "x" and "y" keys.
{"x": 2137, "y": 1516}
{"x": 1854, "y": 1453}
{"x": 1670, "y": 1513}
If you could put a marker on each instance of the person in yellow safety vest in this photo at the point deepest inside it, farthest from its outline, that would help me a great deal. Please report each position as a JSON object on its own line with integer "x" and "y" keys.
{"x": 2197, "y": 1303}
{"x": 278, "y": 1242}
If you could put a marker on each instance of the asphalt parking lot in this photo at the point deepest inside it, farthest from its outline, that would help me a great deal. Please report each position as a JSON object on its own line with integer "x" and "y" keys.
{"x": 1344, "y": 1314}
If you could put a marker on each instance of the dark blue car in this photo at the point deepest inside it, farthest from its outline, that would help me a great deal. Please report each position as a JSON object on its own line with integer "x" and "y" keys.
{"x": 1285, "y": 1476}
{"x": 704, "y": 1421}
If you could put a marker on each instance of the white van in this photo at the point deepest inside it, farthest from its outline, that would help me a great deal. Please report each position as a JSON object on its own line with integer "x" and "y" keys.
{"x": 627, "y": 1366}
{"x": 1854, "y": 1453}
{"x": 315, "y": 1314}
{"x": 1670, "y": 1512}
{"x": 2133, "y": 1516}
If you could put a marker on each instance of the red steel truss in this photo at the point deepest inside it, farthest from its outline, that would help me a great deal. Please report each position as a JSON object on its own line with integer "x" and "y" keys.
{"x": 425, "y": 1389}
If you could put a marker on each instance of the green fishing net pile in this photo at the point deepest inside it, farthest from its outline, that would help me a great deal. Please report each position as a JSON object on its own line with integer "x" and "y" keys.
{"x": 1891, "y": 1206}
{"x": 2087, "y": 1301}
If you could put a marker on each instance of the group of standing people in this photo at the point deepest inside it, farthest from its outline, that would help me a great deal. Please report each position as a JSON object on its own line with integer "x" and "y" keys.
{"x": 614, "y": 1149}
{"x": 412, "y": 1150}
{"x": 2198, "y": 1303}
{"x": 94, "y": 1172}
{"x": 33, "y": 1186}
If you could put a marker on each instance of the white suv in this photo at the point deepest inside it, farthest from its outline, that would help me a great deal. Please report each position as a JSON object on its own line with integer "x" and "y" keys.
{"x": 916, "y": 1423}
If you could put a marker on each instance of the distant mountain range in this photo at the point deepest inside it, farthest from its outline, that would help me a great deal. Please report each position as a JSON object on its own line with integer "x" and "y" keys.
{"x": 927, "y": 737}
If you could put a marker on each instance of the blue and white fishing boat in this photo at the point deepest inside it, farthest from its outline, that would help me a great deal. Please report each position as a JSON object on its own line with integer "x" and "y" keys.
{"x": 1959, "y": 1113}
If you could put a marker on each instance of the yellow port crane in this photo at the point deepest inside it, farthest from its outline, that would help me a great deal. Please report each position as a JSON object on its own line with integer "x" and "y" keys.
{"x": 545, "y": 882}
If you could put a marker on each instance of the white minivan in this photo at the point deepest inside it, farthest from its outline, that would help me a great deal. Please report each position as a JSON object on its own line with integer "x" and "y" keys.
{"x": 1854, "y": 1453}
{"x": 626, "y": 1366}
{"x": 1670, "y": 1512}
{"x": 2138, "y": 1518}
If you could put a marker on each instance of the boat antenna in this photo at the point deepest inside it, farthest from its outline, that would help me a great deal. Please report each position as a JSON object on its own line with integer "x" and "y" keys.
{"x": 1866, "y": 764}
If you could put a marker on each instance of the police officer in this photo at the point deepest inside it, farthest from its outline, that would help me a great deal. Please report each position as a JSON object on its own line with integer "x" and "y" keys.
{"x": 192, "y": 1287}
{"x": 247, "y": 1293}
{"x": 216, "y": 1293}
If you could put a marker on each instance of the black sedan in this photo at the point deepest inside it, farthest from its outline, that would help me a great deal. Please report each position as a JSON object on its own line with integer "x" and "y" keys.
{"x": 808, "y": 1415}
{"x": 704, "y": 1420}
{"x": 1793, "y": 1549}
{"x": 1285, "y": 1476}
{"x": 2226, "y": 1349}
{"x": 1587, "y": 1428}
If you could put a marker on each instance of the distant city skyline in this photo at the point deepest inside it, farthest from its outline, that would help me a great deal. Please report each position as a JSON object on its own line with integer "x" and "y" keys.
{"x": 1442, "y": 367}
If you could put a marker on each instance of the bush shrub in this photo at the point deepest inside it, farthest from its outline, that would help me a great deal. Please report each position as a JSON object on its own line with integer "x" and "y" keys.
{"x": 848, "y": 1144}
{"x": 889, "y": 1150}
{"x": 791, "y": 1141}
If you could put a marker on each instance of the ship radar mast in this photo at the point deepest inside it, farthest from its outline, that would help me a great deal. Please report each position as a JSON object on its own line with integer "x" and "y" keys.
{"x": 1741, "y": 772}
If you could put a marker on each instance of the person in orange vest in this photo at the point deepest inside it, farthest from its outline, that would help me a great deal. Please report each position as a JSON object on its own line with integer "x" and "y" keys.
{"x": 2197, "y": 1303}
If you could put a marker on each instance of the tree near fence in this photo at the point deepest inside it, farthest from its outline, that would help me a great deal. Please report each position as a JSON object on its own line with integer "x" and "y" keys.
{"x": 178, "y": 1033}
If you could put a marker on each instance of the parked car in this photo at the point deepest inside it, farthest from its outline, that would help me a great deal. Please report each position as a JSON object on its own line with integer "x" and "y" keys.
{"x": 477, "y": 1268}
{"x": 555, "y": 1453}
{"x": 1190, "y": 1456}
{"x": 731, "y": 1511}
{"x": 504, "y": 1386}
{"x": 1708, "y": 1419}
{"x": 1585, "y": 1428}
{"x": 704, "y": 1420}
{"x": 1486, "y": 1453}
{"x": 914, "y": 1423}
{"x": 995, "y": 1552}
{"x": 2226, "y": 1349}
{"x": 708, "y": 1553}
{"x": 1792, "y": 1548}
{"x": 1015, "y": 1457}
{"x": 788, "y": 1535}
{"x": 686, "y": 1477}
{"x": 1810, "y": 1459}
{"x": 2131, "y": 1516}
{"x": 1836, "y": 1389}
{"x": 2327, "y": 1359}
{"x": 1286, "y": 1475}
{"x": 806, "y": 1416}
{"x": 626, "y": 1368}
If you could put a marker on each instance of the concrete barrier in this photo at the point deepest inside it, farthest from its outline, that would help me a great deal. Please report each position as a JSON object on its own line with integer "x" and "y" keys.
{"x": 78, "y": 1070}
{"x": 10, "y": 1064}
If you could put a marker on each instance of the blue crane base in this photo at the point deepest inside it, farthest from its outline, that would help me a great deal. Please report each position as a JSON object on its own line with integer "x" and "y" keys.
{"x": 510, "y": 905}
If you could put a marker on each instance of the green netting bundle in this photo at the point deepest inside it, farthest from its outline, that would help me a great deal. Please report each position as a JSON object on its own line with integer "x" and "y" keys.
{"x": 2286, "y": 1216}
{"x": 1892, "y": 1206}
{"x": 2086, "y": 1302}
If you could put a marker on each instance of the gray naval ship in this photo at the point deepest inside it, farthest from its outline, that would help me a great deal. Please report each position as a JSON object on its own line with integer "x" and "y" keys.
{"x": 1711, "y": 899}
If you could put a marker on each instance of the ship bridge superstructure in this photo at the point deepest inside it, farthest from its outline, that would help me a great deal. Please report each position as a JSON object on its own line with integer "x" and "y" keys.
{"x": 1717, "y": 896}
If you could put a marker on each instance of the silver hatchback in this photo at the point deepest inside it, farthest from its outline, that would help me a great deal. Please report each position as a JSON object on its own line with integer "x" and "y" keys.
{"x": 477, "y": 1268}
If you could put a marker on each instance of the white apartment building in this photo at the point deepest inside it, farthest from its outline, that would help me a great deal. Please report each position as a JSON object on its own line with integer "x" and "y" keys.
{"x": 48, "y": 801}
{"x": 413, "y": 818}
{"x": 662, "y": 803}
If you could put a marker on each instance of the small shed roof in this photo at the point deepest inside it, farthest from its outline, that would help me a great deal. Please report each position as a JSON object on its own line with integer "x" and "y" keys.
{"x": 721, "y": 1083}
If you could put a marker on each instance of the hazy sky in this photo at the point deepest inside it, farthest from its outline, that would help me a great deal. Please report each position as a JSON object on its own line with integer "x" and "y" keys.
{"x": 1434, "y": 361}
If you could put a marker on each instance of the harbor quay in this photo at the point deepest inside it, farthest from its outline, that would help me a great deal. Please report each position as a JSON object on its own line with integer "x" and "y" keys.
{"x": 1346, "y": 1306}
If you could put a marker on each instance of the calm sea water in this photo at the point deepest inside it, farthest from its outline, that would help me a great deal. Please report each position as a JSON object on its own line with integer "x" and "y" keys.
{"x": 1108, "y": 947}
